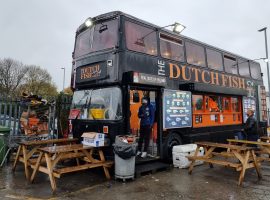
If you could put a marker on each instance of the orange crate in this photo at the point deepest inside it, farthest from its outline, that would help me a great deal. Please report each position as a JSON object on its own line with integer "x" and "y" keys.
{"x": 33, "y": 122}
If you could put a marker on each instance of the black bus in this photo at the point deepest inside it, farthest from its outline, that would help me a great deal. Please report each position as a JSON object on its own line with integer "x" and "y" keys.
{"x": 199, "y": 92}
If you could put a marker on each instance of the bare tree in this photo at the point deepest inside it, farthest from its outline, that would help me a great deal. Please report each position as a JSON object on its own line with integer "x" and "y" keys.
{"x": 12, "y": 74}
{"x": 38, "y": 81}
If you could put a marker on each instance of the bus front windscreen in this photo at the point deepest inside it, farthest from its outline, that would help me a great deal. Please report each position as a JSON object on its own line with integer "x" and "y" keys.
{"x": 98, "y": 104}
{"x": 98, "y": 37}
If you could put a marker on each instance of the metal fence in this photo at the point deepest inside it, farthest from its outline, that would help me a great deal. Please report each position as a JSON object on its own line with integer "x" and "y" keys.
{"x": 11, "y": 110}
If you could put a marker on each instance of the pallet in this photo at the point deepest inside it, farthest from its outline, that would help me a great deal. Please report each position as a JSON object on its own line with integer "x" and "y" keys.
{"x": 150, "y": 168}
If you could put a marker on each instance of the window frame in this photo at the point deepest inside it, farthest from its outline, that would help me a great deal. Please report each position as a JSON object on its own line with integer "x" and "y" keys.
{"x": 258, "y": 64}
{"x": 207, "y": 60}
{"x": 167, "y": 40}
{"x": 142, "y": 25}
{"x": 230, "y": 57}
{"x": 92, "y": 35}
{"x": 121, "y": 99}
{"x": 244, "y": 61}
{"x": 204, "y": 53}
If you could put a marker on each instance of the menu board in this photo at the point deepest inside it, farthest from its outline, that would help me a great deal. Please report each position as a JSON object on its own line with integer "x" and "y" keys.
{"x": 248, "y": 103}
{"x": 177, "y": 112}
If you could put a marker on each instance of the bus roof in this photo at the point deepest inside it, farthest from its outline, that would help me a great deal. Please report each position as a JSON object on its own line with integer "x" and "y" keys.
{"x": 114, "y": 14}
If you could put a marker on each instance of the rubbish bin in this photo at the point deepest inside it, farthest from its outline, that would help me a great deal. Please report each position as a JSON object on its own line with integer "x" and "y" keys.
{"x": 4, "y": 132}
{"x": 124, "y": 157}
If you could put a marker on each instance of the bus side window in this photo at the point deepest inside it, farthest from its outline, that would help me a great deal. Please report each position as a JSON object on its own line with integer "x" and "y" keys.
{"x": 197, "y": 102}
{"x": 206, "y": 103}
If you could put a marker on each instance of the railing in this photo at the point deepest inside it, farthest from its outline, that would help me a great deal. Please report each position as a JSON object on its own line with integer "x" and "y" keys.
{"x": 11, "y": 110}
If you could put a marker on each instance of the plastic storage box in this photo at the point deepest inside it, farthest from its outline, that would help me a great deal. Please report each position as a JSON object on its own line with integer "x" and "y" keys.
{"x": 181, "y": 151}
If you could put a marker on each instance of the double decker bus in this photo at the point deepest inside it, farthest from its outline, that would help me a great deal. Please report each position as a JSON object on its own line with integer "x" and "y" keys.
{"x": 199, "y": 92}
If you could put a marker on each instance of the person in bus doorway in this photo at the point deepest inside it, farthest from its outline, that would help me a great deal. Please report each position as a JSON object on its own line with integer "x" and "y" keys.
{"x": 250, "y": 127}
{"x": 146, "y": 114}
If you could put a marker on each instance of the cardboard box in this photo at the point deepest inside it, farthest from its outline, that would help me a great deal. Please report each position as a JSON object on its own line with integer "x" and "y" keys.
{"x": 93, "y": 139}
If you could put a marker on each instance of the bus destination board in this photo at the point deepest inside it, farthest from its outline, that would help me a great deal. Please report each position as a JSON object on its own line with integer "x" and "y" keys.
{"x": 177, "y": 111}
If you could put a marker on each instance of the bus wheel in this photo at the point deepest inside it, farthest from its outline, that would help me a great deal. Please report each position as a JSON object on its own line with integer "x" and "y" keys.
{"x": 171, "y": 140}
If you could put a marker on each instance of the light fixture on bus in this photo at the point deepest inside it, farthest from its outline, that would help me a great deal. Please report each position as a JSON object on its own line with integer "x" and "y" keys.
{"x": 178, "y": 28}
{"x": 264, "y": 59}
{"x": 88, "y": 22}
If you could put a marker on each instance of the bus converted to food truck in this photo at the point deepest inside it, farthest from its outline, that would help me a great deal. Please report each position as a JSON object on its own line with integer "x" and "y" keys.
{"x": 199, "y": 92}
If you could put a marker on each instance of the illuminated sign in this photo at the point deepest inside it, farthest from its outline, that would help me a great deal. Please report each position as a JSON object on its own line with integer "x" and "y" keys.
{"x": 149, "y": 79}
{"x": 91, "y": 72}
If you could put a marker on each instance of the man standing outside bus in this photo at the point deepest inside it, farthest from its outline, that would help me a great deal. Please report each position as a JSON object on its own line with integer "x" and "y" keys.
{"x": 146, "y": 114}
{"x": 250, "y": 127}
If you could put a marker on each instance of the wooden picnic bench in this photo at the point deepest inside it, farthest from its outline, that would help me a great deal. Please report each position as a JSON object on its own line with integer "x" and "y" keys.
{"x": 241, "y": 158}
{"x": 265, "y": 139}
{"x": 54, "y": 154}
{"x": 262, "y": 147}
{"x": 27, "y": 149}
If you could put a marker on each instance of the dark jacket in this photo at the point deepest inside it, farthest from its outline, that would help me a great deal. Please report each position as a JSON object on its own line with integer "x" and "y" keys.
{"x": 251, "y": 126}
{"x": 147, "y": 115}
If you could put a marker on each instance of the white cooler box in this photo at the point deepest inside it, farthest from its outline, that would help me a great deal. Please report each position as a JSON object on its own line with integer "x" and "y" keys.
{"x": 181, "y": 151}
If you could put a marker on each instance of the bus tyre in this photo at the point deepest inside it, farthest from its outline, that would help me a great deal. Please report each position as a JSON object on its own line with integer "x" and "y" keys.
{"x": 171, "y": 140}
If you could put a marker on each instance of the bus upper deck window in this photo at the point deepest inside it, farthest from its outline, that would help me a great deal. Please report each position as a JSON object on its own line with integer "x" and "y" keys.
{"x": 98, "y": 37}
{"x": 195, "y": 54}
{"x": 255, "y": 70}
{"x": 214, "y": 59}
{"x": 140, "y": 38}
{"x": 105, "y": 35}
{"x": 230, "y": 64}
{"x": 243, "y": 68}
{"x": 171, "y": 47}
{"x": 83, "y": 44}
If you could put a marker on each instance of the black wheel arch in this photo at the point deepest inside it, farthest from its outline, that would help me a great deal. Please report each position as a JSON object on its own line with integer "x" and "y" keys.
{"x": 171, "y": 139}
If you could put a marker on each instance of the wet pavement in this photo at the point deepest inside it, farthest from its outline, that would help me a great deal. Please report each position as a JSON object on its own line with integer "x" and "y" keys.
{"x": 204, "y": 183}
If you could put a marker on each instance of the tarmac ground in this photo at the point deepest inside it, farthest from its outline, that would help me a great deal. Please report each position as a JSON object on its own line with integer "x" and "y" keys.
{"x": 204, "y": 183}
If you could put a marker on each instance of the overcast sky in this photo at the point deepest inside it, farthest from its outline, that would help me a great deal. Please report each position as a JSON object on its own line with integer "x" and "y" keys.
{"x": 42, "y": 32}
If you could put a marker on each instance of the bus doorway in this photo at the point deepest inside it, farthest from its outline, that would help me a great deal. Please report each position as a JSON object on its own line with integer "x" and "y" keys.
{"x": 136, "y": 96}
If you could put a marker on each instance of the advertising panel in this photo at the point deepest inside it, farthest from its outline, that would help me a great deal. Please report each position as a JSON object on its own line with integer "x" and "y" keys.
{"x": 177, "y": 110}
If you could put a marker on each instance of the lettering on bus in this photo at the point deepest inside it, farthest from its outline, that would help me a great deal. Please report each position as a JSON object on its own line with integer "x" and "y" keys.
{"x": 161, "y": 68}
{"x": 188, "y": 73}
{"x": 90, "y": 72}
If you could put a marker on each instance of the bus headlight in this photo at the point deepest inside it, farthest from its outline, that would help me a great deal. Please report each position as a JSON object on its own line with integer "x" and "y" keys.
{"x": 88, "y": 22}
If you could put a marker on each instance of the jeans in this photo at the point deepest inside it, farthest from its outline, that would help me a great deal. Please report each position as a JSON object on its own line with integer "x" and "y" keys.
{"x": 145, "y": 132}
{"x": 240, "y": 136}
{"x": 252, "y": 137}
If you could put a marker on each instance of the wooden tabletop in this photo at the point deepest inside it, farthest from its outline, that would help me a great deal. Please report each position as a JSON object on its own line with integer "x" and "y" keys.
{"x": 265, "y": 138}
{"x": 220, "y": 145}
{"x": 50, "y": 141}
{"x": 249, "y": 142}
{"x": 64, "y": 148}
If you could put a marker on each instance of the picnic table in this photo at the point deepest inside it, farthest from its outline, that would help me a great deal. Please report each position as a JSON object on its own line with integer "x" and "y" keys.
{"x": 54, "y": 154}
{"x": 262, "y": 147}
{"x": 241, "y": 158}
{"x": 265, "y": 139}
{"x": 27, "y": 149}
